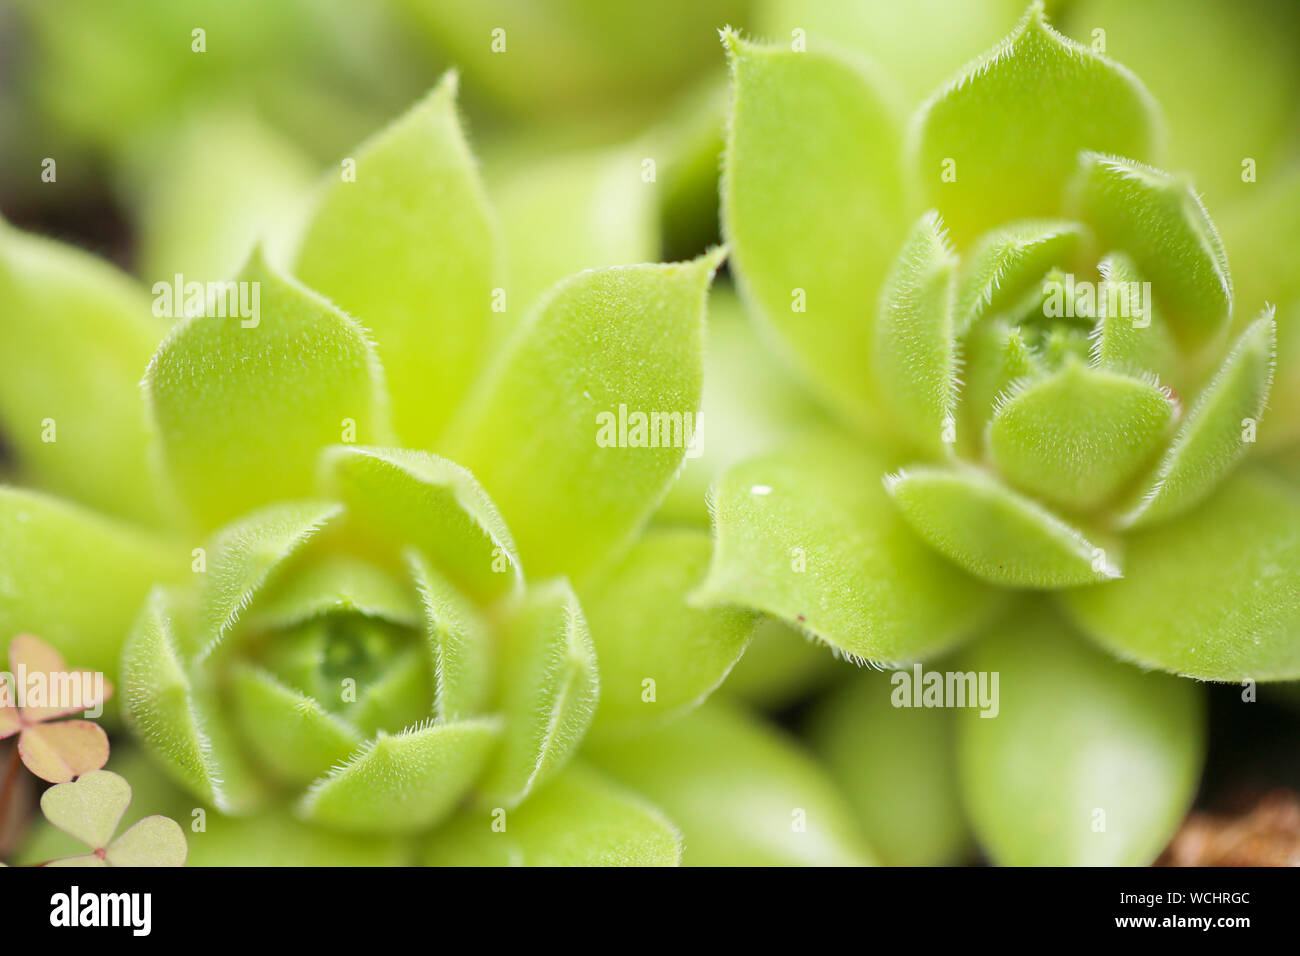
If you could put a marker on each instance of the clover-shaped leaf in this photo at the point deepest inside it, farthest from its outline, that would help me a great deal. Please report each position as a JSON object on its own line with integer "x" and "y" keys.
{"x": 244, "y": 405}
{"x": 45, "y": 690}
{"x": 91, "y": 808}
{"x": 1018, "y": 117}
{"x": 407, "y": 245}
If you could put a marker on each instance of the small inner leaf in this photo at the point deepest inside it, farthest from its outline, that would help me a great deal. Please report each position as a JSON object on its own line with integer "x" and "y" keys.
{"x": 401, "y": 783}
{"x": 1160, "y": 221}
{"x": 1076, "y": 437}
{"x": 1132, "y": 336}
{"x": 292, "y": 736}
{"x": 547, "y": 690}
{"x": 1217, "y": 432}
{"x": 244, "y": 555}
{"x": 398, "y": 496}
{"x": 994, "y": 532}
{"x": 337, "y": 583}
{"x": 1009, "y": 263}
{"x": 458, "y": 641}
{"x": 915, "y": 352}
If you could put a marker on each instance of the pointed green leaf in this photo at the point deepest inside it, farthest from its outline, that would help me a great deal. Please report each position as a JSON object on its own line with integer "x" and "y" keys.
{"x": 1003, "y": 136}
{"x": 459, "y": 644}
{"x": 813, "y": 140}
{"x": 76, "y": 334}
{"x": 1076, "y": 437}
{"x": 398, "y": 496}
{"x": 896, "y": 765}
{"x": 1214, "y": 594}
{"x": 401, "y": 783}
{"x": 915, "y": 351}
{"x": 1217, "y": 432}
{"x": 176, "y": 719}
{"x": 808, "y": 534}
{"x": 337, "y": 583}
{"x": 578, "y": 819}
{"x": 244, "y": 405}
{"x": 555, "y": 430}
{"x": 658, "y": 656}
{"x": 994, "y": 532}
{"x": 242, "y": 557}
{"x": 1127, "y": 338}
{"x": 407, "y": 246}
{"x": 1160, "y": 221}
{"x": 290, "y": 734}
{"x": 547, "y": 691}
{"x": 995, "y": 356}
{"x": 1089, "y": 762}
{"x": 742, "y": 793}
{"x": 1009, "y": 262}
{"x": 74, "y": 577}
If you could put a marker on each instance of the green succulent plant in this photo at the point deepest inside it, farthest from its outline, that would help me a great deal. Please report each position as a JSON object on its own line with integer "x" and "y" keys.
{"x": 344, "y": 628}
{"x": 1040, "y": 397}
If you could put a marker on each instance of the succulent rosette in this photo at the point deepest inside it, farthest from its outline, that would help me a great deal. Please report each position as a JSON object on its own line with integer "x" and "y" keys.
{"x": 391, "y": 577}
{"x": 1043, "y": 389}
